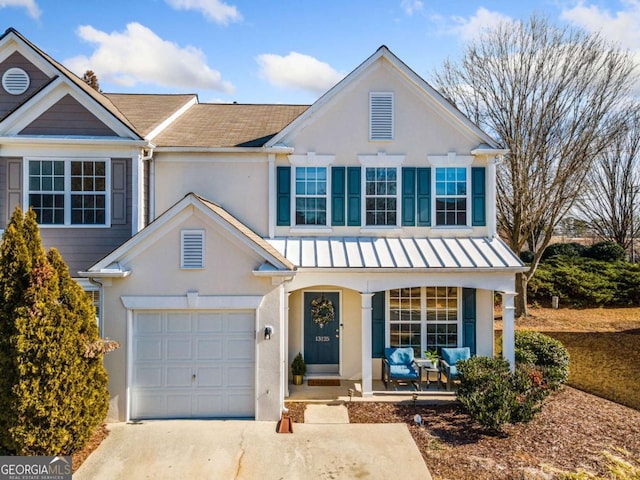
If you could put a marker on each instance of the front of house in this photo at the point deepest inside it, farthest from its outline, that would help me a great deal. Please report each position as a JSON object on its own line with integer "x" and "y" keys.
{"x": 374, "y": 207}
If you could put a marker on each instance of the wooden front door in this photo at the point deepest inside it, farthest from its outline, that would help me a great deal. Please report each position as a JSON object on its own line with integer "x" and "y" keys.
{"x": 322, "y": 333}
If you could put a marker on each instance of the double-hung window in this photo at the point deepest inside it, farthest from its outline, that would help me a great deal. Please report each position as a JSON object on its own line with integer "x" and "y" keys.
{"x": 451, "y": 196}
{"x": 381, "y": 196}
{"x": 68, "y": 192}
{"x": 311, "y": 195}
{"x": 424, "y": 318}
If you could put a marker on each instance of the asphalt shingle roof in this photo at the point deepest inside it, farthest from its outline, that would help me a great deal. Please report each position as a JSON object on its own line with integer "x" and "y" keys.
{"x": 228, "y": 125}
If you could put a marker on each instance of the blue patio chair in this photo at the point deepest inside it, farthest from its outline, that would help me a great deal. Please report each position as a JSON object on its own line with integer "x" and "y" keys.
{"x": 398, "y": 365}
{"x": 449, "y": 357}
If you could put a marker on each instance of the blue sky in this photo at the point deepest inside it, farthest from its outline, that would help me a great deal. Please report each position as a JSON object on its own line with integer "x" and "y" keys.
{"x": 277, "y": 51}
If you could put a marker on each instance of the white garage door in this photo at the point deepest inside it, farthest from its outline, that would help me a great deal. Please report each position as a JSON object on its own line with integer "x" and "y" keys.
{"x": 193, "y": 364}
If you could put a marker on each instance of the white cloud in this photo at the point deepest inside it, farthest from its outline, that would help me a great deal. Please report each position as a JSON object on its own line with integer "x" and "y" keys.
{"x": 622, "y": 26}
{"x": 411, "y": 6}
{"x": 299, "y": 71}
{"x": 30, "y": 5}
{"x": 214, "y": 10}
{"x": 138, "y": 55}
{"x": 470, "y": 28}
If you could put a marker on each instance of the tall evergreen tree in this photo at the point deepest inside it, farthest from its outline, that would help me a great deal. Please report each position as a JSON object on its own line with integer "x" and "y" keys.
{"x": 56, "y": 395}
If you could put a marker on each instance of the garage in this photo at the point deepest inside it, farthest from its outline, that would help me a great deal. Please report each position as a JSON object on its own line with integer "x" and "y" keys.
{"x": 193, "y": 364}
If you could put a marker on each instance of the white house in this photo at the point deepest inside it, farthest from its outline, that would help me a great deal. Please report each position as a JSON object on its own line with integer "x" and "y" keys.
{"x": 378, "y": 199}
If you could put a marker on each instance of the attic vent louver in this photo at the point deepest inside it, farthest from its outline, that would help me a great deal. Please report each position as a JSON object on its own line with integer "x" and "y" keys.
{"x": 15, "y": 81}
{"x": 192, "y": 249}
{"x": 381, "y": 116}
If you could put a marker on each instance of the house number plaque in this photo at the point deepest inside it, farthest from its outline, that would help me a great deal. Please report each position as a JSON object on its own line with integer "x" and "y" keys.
{"x": 322, "y": 338}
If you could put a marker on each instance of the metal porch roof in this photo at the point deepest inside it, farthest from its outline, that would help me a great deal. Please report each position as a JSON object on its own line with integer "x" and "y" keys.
{"x": 385, "y": 252}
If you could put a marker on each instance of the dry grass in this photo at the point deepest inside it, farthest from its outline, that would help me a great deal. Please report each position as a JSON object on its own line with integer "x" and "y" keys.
{"x": 604, "y": 345}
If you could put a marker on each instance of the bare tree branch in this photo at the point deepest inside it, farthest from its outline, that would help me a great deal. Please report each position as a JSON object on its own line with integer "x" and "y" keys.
{"x": 555, "y": 97}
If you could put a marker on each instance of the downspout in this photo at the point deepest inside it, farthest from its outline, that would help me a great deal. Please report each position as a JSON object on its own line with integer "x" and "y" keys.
{"x": 152, "y": 191}
{"x": 93, "y": 281}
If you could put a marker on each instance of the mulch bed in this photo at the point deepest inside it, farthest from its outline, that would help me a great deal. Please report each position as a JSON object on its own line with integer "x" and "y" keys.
{"x": 570, "y": 434}
{"x": 81, "y": 455}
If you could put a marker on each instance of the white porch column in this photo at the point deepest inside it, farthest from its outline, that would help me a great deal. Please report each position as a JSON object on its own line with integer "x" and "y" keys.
{"x": 367, "y": 310}
{"x": 508, "y": 327}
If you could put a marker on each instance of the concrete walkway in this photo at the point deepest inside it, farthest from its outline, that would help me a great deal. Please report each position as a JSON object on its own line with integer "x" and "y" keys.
{"x": 203, "y": 449}
{"x": 326, "y": 413}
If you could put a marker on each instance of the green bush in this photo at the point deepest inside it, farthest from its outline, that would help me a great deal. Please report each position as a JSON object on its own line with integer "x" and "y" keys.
{"x": 606, "y": 252}
{"x": 563, "y": 249}
{"x": 526, "y": 256}
{"x": 536, "y": 349}
{"x": 52, "y": 393}
{"x": 495, "y": 396}
{"x": 585, "y": 282}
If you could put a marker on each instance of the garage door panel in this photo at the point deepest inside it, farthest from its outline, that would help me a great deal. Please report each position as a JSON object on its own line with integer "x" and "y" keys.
{"x": 148, "y": 323}
{"x": 148, "y": 349}
{"x": 210, "y": 349}
{"x": 179, "y": 349}
{"x": 179, "y": 323}
{"x": 148, "y": 376}
{"x": 237, "y": 348}
{"x": 210, "y": 322}
{"x": 218, "y": 347}
{"x": 179, "y": 377}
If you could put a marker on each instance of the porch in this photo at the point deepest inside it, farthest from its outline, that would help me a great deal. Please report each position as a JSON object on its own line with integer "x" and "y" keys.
{"x": 404, "y": 394}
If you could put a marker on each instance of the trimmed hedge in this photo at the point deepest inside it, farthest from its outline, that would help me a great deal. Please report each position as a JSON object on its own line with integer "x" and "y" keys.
{"x": 585, "y": 282}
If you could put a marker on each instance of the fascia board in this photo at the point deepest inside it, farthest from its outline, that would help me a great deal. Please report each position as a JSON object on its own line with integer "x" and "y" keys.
{"x": 14, "y": 43}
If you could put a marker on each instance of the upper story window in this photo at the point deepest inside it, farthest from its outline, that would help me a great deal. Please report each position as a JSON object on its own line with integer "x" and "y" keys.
{"x": 311, "y": 195}
{"x": 381, "y": 196}
{"x": 68, "y": 192}
{"x": 451, "y": 196}
{"x": 381, "y": 116}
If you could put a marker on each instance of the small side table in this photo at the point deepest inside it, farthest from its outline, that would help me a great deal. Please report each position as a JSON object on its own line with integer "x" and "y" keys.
{"x": 427, "y": 367}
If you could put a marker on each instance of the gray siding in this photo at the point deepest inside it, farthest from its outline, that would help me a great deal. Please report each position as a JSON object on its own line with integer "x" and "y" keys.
{"x": 80, "y": 247}
{"x": 68, "y": 117}
{"x": 37, "y": 79}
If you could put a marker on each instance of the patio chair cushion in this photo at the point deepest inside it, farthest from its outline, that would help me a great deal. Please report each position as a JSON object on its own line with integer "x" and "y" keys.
{"x": 399, "y": 356}
{"x": 453, "y": 371}
{"x": 454, "y": 355}
{"x": 403, "y": 371}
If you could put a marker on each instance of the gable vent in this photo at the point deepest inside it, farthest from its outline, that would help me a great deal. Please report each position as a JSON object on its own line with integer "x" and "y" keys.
{"x": 381, "y": 116}
{"x": 15, "y": 81}
{"x": 192, "y": 249}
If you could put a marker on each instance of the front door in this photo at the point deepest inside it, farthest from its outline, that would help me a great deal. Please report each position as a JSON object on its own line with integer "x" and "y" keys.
{"x": 322, "y": 331}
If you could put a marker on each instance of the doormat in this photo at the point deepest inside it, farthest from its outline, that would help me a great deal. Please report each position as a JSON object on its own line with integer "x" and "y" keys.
{"x": 323, "y": 382}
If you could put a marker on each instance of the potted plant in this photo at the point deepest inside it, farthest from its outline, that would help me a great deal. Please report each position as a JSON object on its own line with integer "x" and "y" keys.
{"x": 432, "y": 356}
{"x": 298, "y": 369}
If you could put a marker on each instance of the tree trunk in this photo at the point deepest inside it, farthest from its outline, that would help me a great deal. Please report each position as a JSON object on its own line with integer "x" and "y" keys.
{"x": 520, "y": 302}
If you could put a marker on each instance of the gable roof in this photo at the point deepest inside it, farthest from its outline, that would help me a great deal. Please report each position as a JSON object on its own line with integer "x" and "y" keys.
{"x": 384, "y": 53}
{"x": 228, "y": 125}
{"x": 97, "y": 97}
{"x": 109, "y": 265}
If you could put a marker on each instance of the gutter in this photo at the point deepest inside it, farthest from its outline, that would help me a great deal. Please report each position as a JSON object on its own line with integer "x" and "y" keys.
{"x": 186, "y": 149}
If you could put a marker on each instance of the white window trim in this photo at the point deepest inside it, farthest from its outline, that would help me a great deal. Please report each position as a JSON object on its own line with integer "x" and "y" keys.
{"x": 363, "y": 206}
{"x": 311, "y": 159}
{"x": 393, "y": 117}
{"x": 423, "y": 318}
{"x": 319, "y": 228}
{"x": 467, "y": 225}
{"x": 67, "y": 189}
{"x": 204, "y": 248}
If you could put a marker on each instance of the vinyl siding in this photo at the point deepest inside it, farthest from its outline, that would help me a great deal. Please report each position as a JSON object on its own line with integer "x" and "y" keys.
{"x": 37, "y": 79}
{"x": 80, "y": 247}
{"x": 68, "y": 117}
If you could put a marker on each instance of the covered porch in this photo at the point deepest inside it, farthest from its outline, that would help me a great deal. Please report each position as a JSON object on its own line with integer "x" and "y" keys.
{"x": 425, "y": 294}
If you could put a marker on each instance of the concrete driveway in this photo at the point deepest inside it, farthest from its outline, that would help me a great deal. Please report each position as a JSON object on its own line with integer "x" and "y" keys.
{"x": 210, "y": 449}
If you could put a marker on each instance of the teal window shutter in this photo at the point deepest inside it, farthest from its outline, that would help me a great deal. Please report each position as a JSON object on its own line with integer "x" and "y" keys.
{"x": 469, "y": 319}
{"x": 353, "y": 196}
{"x": 408, "y": 196}
{"x": 377, "y": 325}
{"x": 478, "y": 197}
{"x": 424, "y": 196}
{"x": 338, "y": 195}
{"x": 283, "y": 188}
